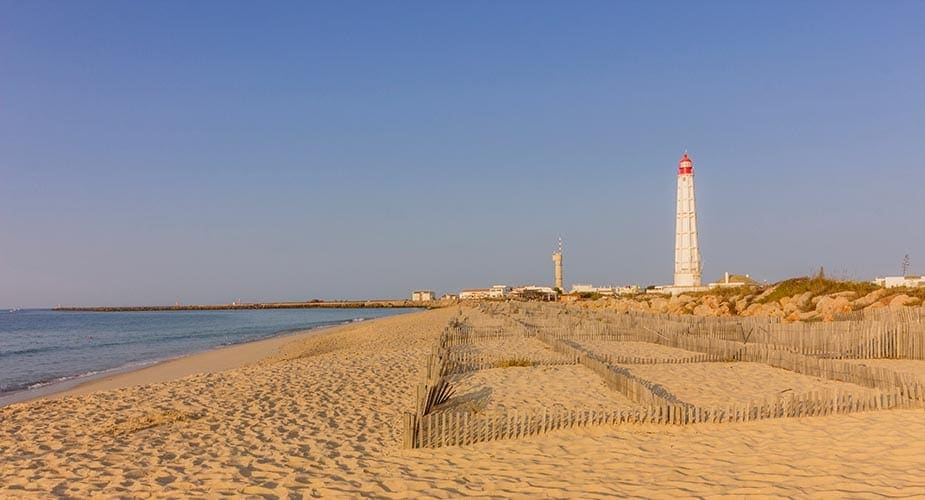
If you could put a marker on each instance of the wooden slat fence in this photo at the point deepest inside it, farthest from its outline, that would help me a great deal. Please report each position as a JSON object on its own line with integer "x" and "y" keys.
{"x": 461, "y": 429}
{"x": 863, "y": 339}
{"x": 617, "y": 378}
{"x": 808, "y": 349}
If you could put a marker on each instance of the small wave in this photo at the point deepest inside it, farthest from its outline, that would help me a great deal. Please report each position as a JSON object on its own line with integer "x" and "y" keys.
{"x": 34, "y": 350}
{"x": 58, "y": 380}
{"x": 67, "y": 378}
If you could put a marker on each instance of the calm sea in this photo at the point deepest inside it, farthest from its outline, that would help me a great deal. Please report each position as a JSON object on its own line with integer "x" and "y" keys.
{"x": 39, "y": 348}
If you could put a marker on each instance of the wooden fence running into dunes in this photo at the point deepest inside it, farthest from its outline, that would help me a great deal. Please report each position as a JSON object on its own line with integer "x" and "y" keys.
{"x": 816, "y": 350}
{"x": 896, "y": 335}
{"x": 872, "y": 343}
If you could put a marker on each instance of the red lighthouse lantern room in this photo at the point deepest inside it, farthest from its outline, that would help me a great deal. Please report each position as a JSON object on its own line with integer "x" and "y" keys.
{"x": 686, "y": 165}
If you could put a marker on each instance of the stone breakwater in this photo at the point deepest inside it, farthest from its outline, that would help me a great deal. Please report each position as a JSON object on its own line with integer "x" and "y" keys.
{"x": 353, "y": 304}
{"x": 804, "y": 306}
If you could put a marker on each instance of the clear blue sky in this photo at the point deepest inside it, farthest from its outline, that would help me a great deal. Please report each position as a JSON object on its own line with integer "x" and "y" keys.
{"x": 210, "y": 151}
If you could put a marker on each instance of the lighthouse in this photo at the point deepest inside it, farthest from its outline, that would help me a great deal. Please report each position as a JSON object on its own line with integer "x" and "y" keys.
{"x": 687, "y": 266}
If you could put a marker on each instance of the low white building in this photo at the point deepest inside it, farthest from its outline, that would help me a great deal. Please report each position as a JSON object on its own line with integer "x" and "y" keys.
{"x": 534, "y": 293}
{"x": 733, "y": 280}
{"x": 606, "y": 291}
{"x": 474, "y": 293}
{"x": 627, "y": 290}
{"x": 423, "y": 295}
{"x": 900, "y": 281}
{"x": 499, "y": 291}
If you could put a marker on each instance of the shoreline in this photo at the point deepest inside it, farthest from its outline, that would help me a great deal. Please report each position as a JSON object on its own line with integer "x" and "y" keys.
{"x": 212, "y": 360}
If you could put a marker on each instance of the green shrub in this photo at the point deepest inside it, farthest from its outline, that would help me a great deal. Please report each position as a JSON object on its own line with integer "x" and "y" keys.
{"x": 817, "y": 286}
{"x": 917, "y": 292}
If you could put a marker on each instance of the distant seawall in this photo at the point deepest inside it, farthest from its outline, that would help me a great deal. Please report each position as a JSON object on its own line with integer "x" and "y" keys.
{"x": 352, "y": 304}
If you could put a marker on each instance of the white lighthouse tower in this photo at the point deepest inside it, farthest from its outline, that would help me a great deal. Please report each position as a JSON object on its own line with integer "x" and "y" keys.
{"x": 687, "y": 266}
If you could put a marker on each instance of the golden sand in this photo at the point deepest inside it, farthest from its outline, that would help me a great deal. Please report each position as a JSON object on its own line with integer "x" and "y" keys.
{"x": 569, "y": 387}
{"x": 320, "y": 415}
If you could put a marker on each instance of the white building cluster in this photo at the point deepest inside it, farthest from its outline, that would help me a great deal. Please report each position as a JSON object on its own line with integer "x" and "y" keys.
{"x": 501, "y": 292}
{"x": 605, "y": 291}
{"x": 495, "y": 292}
{"x": 900, "y": 281}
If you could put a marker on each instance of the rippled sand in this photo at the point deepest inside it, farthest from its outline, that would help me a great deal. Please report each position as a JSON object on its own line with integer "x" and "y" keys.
{"x": 569, "y": 387}
{"x": 517, "y": 347}
{"x": 719, "y": 384}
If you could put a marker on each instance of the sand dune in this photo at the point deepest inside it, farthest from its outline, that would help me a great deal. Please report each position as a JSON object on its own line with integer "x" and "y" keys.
{"x": 322, "y": 416}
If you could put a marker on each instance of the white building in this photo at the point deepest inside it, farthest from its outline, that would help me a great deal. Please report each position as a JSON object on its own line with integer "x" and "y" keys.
{"x": 733, "y": 280}
{"x": 499, "y": 291}
{"x": 600, "y": 290}
{"x": 532, "y": 292}
{"x": 627, "y": 290}
{"x": 423, "y": 295}
{"x": 900, "y": 281}
{"x": 474, "y": 293}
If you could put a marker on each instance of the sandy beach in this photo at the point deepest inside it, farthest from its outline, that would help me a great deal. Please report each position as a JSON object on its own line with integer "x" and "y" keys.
{"x": 320, "y": 415}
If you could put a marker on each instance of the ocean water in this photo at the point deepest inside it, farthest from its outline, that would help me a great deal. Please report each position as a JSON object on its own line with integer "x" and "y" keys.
{"x": 41, "y": 348}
